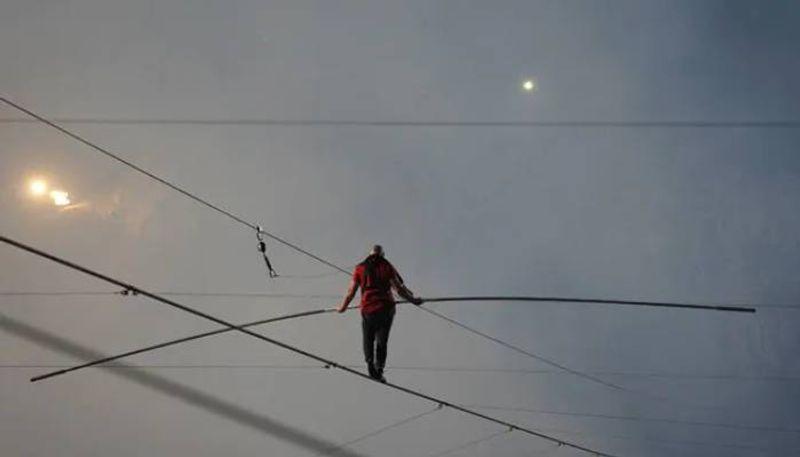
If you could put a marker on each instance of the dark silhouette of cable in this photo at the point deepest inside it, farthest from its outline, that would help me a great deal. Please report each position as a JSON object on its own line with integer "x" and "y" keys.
{"x": 174, "y": 187}
{"x": 654, "y": 304}
{"x": 289, "y": 347}
{"x": 775, "y": 124}
{"x": 336, "y": 450}
{"x": 469, "y": 444}
{"x": 757, "y": 428}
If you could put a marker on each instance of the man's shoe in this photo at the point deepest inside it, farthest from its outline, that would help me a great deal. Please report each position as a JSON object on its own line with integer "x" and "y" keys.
{"x": 379, "y": 375}
{"x": 373, "y": 373}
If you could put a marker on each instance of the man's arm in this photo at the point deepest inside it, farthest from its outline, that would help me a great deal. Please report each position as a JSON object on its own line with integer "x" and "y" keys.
{"x": 351, "y": 292}
{"x": 404, "y": 292}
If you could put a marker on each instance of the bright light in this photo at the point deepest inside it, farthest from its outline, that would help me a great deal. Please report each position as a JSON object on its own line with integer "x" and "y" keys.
{"x": 38, "y": 187}
{"x": 529, "y": 85}
{"x": 60, "y": 198}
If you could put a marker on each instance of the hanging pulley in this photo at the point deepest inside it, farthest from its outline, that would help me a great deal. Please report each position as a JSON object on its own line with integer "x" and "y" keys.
{"x": 262, "y": 248}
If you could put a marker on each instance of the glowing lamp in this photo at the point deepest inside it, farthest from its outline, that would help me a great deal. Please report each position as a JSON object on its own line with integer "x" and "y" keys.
{"x": 529, "y": 85}
{"x": 38, "y": 187}
{"x": 60, "y": 198}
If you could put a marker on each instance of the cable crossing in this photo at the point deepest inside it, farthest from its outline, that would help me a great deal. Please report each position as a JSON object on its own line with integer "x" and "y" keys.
{"x": 510, "y": 426}
{"x": 174, "y": 342}
{"x": 323, "y": 311}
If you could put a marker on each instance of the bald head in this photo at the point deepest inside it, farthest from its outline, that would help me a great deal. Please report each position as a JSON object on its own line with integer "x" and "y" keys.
{"x": 377, "y": 250}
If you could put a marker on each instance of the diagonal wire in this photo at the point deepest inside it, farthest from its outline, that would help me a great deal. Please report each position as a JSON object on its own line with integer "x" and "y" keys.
{"x": 340, "y": 447}
{"x": 289, "y": 347}
{"x": 469, "y": 444}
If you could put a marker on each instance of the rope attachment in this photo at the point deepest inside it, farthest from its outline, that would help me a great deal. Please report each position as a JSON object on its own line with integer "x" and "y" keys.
{"x": 262, "y": 248}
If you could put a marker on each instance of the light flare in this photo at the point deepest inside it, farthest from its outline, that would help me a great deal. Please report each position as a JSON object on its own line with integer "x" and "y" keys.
{"x": 529, "y": 85}
{"x": 60, "y": 198}
{"x": 38, "y": 187}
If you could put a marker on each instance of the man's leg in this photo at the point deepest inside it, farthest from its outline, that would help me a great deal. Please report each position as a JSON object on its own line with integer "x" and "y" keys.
{"x": 382, "y": 336}
{"x": 368, "y": 330}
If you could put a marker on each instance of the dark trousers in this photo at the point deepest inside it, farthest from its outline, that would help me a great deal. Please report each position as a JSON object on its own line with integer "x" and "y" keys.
{"x": 375, "y": 329}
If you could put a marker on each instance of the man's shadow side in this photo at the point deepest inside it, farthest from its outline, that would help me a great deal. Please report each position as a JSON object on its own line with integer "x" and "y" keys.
{"x": 187, "y": 394}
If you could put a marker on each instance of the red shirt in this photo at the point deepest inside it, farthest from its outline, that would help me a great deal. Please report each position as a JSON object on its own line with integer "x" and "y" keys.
{"x": 376, "y": 293}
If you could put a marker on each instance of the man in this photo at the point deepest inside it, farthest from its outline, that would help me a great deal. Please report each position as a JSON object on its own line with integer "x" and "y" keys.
{"x": 376, "y": 277}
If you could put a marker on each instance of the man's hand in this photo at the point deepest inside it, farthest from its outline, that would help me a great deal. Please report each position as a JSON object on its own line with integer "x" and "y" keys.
{"x": 351, "y": 292}
{"x": 417, "y": 301}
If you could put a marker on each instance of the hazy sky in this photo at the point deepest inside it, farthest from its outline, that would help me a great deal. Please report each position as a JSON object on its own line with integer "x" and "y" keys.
{"x": 707, "y": 215}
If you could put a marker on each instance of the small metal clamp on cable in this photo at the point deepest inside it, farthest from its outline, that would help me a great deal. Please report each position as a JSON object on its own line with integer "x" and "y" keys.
{"x": 129, "y": 291}
{"x": 262, "y": 248}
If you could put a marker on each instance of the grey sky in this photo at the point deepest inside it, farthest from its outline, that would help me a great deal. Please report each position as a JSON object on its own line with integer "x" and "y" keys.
{"x": 703, "y": 215}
